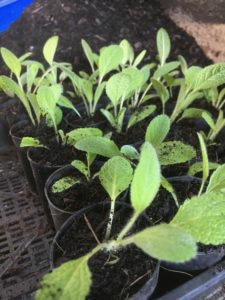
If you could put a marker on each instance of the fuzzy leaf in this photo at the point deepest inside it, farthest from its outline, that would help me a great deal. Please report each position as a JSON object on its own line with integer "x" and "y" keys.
{"x": 205, "y": 160}
{"x": 146, "y": 179}
{"x": 11, "y": 61}
{"x": 209, "y": 120}
{"x": 110, "y": 58}
{"x": 117, "y": 87}
{"x": 139, "y": 58}
{"x": 191, "y": 75}
{"x": 81, "y": 133}
{"x": 166, "y": 242}
{"x": 138, "y": 116}
{"x": 88, "y": 52}
{"x": 64, "y": 102}
{"x": 161, "y": 90}
{"x": 128, "y": 52}
{"x": 115, "y": 176}
{"x": 98, "y": 145}
{"x": 129, "y": 151}
{"x": 217, "y": 180}
{"x": 166, "y": 69}
{"x": 99, "y": 92}
{"x": 136, "y": 78}
{"x": 70, "y": 281}
{"x": 80, "y": 166}
{"x": 192, "y": 113}
{"x": 210, "y": 77}
{"x": 109, "y": 116}
{"x": 157, "y": 130}
{"x": 204, "y": 218}
{"x": 169, "y": 188}
{"x": 64, "y": 184}
{"x": 30, "y": 142}
{"x": 163, "y": 45}
{"x": 197, "y": 168}
{"x": 175, "y": 152}
{"x": 50, "y": 49}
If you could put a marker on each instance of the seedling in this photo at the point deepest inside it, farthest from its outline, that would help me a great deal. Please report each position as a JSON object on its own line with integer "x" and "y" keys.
{"x": 215, "y": 126}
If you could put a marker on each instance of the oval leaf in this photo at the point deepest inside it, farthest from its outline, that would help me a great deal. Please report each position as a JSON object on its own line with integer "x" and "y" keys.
{"x": 217, "y": 180}
{"x": 117, "y": 87}
{"x": 82, "y": 133}
{"x": 50, "y": 49}
{"x": 163, "y": 45}
{"x": 11, "y": 61}
{"x": 157, "y": 130}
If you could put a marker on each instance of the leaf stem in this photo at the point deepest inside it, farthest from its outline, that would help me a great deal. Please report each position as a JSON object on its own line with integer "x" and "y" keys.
{"x": 110, "y": 221}
{"x": 128, "y": 226}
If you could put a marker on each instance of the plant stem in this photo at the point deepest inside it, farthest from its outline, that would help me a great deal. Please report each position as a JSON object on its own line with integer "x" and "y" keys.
{"x": 128, "y": 226}
{"x": 201, "y": 188}
{"x": 145, "y": 92}
{"x": 110, "y": 221}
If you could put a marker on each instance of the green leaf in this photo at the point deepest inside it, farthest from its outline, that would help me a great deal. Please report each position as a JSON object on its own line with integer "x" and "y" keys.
{"x": 128, "y": 52}
{"x": 166, "y": 242}
{"x": 163, "y": 45}
{"x": 70, "y": 281}
{"x": 110, "y": 58}
{"x": 64, "y": 184}
{"x": 98, "y": 92}
{"x": 169, "y": 188}
{"x": 109, "y": 116}
{"x": 98, "y": 145}
{"x": 183, "y": 64}
{"x": 87, "y": 89}
{"x": 120, "y": 118}
{"x": 138, "y": 116}
{"x": 139, "y": 58}
{"x": 129, "y": 151}
{"x": 136, "y": 78}
{"x": 64, "y": 102}
{"x": 117, "y": 87}
{"x": 197, "y": 168}
{"x": 166, "y": 69}
{"x": 191, "y": 76}
{"x": 205, "y": 160}
{"x": 209, "y": 120}
{"x": 211, "y": 76}
{"x": 204, "y": 218}
{"x": 157, "y": 130}
{"x": 11, "y": 61}
{"x": 217, "y": 180}
{"x": 50, "y": 49}
{"x": 146, "y": 179}
{"x": 192, "y": 113}
{"x": 80, "y": 166}
{"x": 175, "y": 152}
{"x": 88, "y": 52}
{"x": 30, "y": 142}
{"x": 81, "y": 133}
{"x": 161, "y": 90}
{"x": 115, "y": 176}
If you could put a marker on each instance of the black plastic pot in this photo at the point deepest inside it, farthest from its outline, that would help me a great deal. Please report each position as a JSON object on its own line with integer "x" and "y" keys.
{"x": 145, "y": 292}
{"x": 41, "y": 173}
{"x": 22, "y": 154}
{"x": 203, "y": 260}
{"x": 59, "y": 216}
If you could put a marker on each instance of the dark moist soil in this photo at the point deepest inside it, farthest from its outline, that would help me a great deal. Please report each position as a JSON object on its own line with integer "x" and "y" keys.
{"x": 109, "y": 281}
{"x": 80, "y": 195}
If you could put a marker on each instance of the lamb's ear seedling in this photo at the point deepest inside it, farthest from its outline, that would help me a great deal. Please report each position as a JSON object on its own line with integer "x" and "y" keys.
{"x": 205, "y": 162}
{"x": 163, "y": 242}
{"x": 215, "y": 126}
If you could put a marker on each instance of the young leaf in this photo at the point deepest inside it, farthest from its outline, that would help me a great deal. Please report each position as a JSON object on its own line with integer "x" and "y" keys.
{"x": 209, "y": 120}
{"x": 192, "y": 113}
{"x": 197, "y": 168}
{"x": 120, "y": 118}
{"x": 205, "y": 160}
{"x": 210, "y": 77}
{"x": 166, "y": 69}
{"x": 64, "y": 184}
{"x": 169, "y": 188}
{"x": 128, "y": 52}
{"x": 80, "y": 166}
{"x": 139, "y": 58}
{"x": 204, "y": 218}
{"x": 183, "y": 64}
{"x": 71, "y": 277}
{"x": 191, "y": 76}
{"x": 138, "y": 116}
{"x": 109, "y": 116}
{"x": 117, "y": 87}
{"x": 154, "y": 241}
{"x": 98, "y": 92}
{"x": 157, "y": 130}
{"x": 50, "y": 49}
{"x": 163, "y": 45}
{"x": 136, "y": 78}
{"x": 115, "y": 176}
{"x": 30, "y": 142}
{"x": 161, "y": 90}
{"x": 88, "y": 52}
{"x": 175, "y": 152}
{"x": 129, "y": 151}
{"x": 98, "y": 145}
{"x": 146, "y": 179}
{"x": 217, "y": 180}
{"x": 110, "y": 58}
{"x": 11, "y": 61}
{"x": 81, "y": 133}
{"x": 64, "y": 102}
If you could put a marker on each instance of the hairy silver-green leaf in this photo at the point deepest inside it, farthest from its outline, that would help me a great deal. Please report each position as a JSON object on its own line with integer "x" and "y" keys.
{"x": 88, "y": 52}
{"x": 166, "y": 69}
{"x": 157, "y": 130}
{"x": 209, "y": 120}
{"x": 129, "y": 151}
{"x": 211, "y": 76}
{"x": 191, "y": 76}
{"x": 217, "y": 180}
{"x": 138, "y": 116}
{"x": 81, "y": 133}
{"x": 204, "y": 218}
{"x": 166, "y": 242}
{"x": 175, "y": 152}
{"x": 205, "y": 160}
{"x": 115, "y": 176}
{"x": 50, "y": 49}
{"x": 70, "y": 281}
{"x": 80, "y": 166}
{"x": 163, "y": 45}
{"x": 98, "y": 145}
{"x": 110, "y": 58}
{"x": 117, "y": 87}
{"x": 136, "y": 78}
{"x": 30, "y": 142}
{"x": 197, "y": 167}
{"x": 128, "y": 52}
{"x": 64, "y": 184}
{"x": 139, "y": 58}
{"x": 192, "y": 113}
{"x": 11, "y": 61}
{"x": 146, "y": 179}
